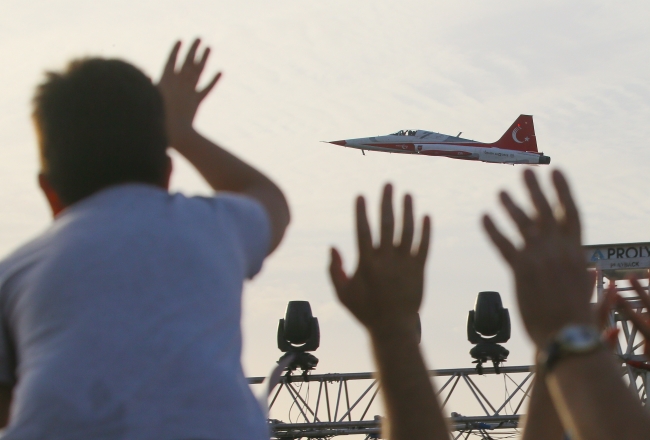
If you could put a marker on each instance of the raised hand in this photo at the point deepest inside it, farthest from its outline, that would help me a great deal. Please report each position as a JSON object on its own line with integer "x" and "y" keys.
{"x": 385, "y": 291}
{"x": 552, "y": 282}
{"x": 179, "y": 91}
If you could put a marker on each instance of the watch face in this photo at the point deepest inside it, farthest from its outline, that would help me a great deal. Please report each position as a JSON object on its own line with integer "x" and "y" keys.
{"x": 579, "y": 338}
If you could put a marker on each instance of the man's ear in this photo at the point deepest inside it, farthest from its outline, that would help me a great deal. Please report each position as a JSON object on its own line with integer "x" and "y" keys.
{"x": 50, "y": 194}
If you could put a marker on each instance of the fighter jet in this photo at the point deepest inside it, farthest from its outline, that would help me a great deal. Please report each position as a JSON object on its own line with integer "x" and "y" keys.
{"x": 517, "y": 145}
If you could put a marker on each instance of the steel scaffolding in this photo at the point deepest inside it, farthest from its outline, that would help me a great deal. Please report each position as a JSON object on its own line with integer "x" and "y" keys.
{"x": 630, "y": 344}
{"x": 337, "y": 408}
{"x": 347, "y": 404}
{"x": 612, "y": 263}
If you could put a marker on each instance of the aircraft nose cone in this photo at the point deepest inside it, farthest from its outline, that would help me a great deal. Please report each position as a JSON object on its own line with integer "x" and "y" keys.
{"x": 341, "y": 143}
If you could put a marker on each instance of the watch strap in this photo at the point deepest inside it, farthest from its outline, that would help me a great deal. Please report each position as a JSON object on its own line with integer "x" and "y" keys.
{"x": 562, "y": 346}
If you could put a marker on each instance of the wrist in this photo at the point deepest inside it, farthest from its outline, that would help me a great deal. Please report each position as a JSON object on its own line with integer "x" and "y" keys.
{"x": 179, "y": 138}
{"x": 544, "y": 335}
{"x": 570, "y": 341}
{"x": 392, "y": 330}
{"x": 388, "y": 344}
{"x": 586, "y": 360}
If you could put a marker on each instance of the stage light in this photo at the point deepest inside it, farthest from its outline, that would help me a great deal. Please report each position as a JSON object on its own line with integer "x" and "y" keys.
{"x": 488, "y": 325}
{"x": 299, "y": 333}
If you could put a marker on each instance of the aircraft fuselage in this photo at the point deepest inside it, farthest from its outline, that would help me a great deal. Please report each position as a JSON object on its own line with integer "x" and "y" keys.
{"x": 479, "y": 151}
{"x": 517, "y": 146}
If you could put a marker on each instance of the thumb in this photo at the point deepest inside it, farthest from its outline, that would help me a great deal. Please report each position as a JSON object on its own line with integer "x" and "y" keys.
{"x": 337, "y": 274}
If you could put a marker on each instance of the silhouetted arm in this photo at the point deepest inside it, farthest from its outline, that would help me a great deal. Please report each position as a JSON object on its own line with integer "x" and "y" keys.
{"x": 554, "y": 290}
{"x": 593, "y": 401}
{"x": 225, "y": 172}
{"x": 222, "y": 170}
{"x": 541, "y": 421}
{"x": 413, "y": 410}
{"x": 384, "y": 294}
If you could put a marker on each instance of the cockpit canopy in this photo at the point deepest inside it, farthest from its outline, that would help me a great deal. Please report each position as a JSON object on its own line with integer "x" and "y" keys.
{"x": 405, "y": 133}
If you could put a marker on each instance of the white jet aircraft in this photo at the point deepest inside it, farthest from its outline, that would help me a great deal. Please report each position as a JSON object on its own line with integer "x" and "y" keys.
{"x": 518, "y": 145}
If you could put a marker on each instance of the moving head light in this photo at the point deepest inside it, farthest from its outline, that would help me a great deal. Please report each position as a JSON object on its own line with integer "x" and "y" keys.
{"x": 299, "y": 333}
{"x": 488, "y": 325}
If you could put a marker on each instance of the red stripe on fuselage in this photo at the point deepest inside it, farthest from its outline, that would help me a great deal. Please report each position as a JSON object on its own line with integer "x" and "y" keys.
{"x": 411, "y": 146}
{"x": 446, "y": 153}
{"x": 399, "y": 146}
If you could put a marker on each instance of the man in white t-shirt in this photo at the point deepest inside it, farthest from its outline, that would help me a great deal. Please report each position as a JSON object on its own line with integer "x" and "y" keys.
{"x": 122, "y": 320}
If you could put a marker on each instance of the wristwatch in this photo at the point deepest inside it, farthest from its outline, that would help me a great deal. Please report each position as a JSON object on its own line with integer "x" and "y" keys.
{"x": 570, "y": 341}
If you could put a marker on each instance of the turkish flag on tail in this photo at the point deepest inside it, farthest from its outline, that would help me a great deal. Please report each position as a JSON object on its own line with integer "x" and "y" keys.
{"x": 520, "y": 136}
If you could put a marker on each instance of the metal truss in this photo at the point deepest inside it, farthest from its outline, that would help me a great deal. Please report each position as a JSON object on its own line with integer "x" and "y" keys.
{"x": 630, "y": 343}
{"x": 347, "y": 404}
{"x": 330, "y": 405}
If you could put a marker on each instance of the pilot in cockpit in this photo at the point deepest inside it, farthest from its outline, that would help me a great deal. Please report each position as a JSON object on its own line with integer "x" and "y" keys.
{"x": 405, "y": 133}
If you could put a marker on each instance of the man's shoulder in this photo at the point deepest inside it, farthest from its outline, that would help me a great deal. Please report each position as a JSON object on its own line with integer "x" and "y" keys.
{"x": 142, "y": 196}
{"x": 107, "y": 218}
{"x": 229, "y": 203}
{"x": 23, "y": 256}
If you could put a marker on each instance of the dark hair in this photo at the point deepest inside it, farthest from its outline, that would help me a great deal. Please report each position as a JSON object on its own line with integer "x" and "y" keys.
{"x": 100, "y": 122}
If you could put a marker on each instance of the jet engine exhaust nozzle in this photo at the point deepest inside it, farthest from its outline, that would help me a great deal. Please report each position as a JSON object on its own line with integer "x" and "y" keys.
{"x": 544, "y": 160}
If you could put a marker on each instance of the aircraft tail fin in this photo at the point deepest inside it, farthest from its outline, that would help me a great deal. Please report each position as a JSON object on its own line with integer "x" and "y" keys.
{"x": 520, "y": 136}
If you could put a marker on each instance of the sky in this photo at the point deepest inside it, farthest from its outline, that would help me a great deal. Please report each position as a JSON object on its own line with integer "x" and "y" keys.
{"x": 296, "y": 73}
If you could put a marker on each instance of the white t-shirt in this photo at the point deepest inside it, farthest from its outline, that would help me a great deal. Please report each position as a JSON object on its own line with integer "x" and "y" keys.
{"x": 122, "y": 320}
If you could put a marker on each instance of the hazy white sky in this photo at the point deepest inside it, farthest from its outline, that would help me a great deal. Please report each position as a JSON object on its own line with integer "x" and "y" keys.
{"x": 299, "y": 72}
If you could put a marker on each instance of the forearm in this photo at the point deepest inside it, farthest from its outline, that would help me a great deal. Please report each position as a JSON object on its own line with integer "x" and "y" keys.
{"x": 542, "y": 421}
{"x": 592, "y": 400}
{"x": 412, "y": 407}
{"x": 225, "y": 172}
{"x": 221, "y": 169}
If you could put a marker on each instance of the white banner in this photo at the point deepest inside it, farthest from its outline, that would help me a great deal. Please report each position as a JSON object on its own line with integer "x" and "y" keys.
{"x": 619, "y": 256}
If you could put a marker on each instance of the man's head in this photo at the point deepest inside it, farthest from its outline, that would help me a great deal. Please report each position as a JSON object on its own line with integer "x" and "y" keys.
{"x": 100, "y": 122}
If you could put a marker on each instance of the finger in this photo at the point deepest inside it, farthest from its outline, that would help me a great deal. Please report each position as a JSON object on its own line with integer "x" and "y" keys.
{"x": 424, "y": 241}
{"x": 507, "y": 249}
{"x": 364, "y": 237}
{"x": 592, "y": 278}
{"x": 337, "y": 274}
{"x": 571, "y": 216}
{"x": 407, "y": 225}
{"x": 545, "y": 213}
{"x": 606, "y": 305}
{"x": 387, "y": 218}
{"x": 610, "y": 337}
{"x": 203, "y": 93}
{"x": 637, "y": 319}
{"x": 188, "y": 65}
{"x": 640, "y": 290}
{"x": 523, "y": 222}
{"x": 204, "y": 59}
{"x": 170, "y": 67}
